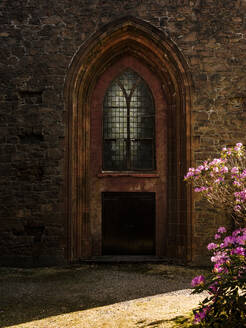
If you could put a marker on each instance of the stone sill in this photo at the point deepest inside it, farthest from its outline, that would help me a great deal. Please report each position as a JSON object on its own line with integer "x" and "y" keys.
{"x": 128, "y": 174}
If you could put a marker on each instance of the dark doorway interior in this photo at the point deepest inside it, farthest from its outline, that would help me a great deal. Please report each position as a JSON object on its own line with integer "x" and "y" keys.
{"x": 128, "y": 223}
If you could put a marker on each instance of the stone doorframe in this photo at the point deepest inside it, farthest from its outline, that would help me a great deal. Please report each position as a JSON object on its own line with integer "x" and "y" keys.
{"x": 127, "y": 36}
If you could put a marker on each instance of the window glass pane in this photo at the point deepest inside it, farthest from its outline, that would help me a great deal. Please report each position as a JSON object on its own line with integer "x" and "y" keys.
{"x": 142, "y": 154}
{"x": 114, "y": 116}
{"x": 128, "y": 124}
{"x": 128, "y": 79}
{"x": 114, "y": 154}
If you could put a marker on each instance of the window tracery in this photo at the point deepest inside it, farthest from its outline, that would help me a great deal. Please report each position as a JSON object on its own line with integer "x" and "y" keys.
{"x": 128, "y": 124}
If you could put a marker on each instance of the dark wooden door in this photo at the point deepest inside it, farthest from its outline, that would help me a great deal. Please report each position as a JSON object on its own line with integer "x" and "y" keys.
{"x": 128, "y": 223}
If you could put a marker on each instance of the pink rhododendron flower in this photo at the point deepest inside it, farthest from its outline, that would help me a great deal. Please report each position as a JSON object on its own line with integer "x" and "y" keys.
{"x": 238, "y": 146}
{"x": 205, "y": 165}
{"x": 224, "y": 169}
{"x": 216, "y": 169}
{"x": 238, "y": 251}
{"x": 199, "y": 280}
{"x": 234, "y": 170}
{"x": 243, "y": 174}
{"x": 241, "y": 195}
{"x": 219, "y": 257}
{"x": 200, "y": 189}
{"x": 237, "y": 183}
{"x": 237, "y": 208}
{"x": 221, "y": 230}
{"x": 200, "y": 168}
{"x": 190, "y": 173}
{"x": 218, "y": 268}
{"x": 199, "y": 316}
{"x": 217, "y": 236}
{"x": 241, "y": 240}
{"x": 229, "y": 240}
{"x": 216, "y": 161}
{"x": 211, "y": 246}
{"x": 220, "y": 179}
{"x": 236, "y": 232}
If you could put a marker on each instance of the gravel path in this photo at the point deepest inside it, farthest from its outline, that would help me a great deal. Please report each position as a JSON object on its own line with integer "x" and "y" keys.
{"x": 153, "y": 311}
{"x": 99, "y": 296}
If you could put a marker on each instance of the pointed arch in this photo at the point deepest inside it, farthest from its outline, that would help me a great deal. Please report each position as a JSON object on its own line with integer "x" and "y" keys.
{"x": 127, "y": 37}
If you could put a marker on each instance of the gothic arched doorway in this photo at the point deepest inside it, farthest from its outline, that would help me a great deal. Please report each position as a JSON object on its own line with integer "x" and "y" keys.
{"x": 128, "y": 161}
{"x": 145, "y": 160}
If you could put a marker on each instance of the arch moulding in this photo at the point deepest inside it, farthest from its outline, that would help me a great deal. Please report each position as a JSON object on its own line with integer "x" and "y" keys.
{"x": 127, "y": 36}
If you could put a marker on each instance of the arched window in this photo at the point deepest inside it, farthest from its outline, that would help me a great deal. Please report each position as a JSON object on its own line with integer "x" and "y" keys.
{"x": 128, "y": 124}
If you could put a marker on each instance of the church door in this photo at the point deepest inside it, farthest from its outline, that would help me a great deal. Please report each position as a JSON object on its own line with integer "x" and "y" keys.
{"x": 128, "y": 162}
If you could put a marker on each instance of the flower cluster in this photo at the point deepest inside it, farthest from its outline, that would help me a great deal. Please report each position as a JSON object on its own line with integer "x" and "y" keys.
{"x": 226, "y": 283}
{"x": 201, "y": 315}
{"x": 223, "y": 181}
{"x": 197, "y": 281}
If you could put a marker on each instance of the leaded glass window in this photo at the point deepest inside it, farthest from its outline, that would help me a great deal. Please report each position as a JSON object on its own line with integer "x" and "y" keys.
{"x": 128, "y": 124}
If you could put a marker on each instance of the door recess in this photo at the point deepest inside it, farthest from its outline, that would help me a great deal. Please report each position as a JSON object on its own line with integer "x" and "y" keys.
{"x": 128, "y": 223}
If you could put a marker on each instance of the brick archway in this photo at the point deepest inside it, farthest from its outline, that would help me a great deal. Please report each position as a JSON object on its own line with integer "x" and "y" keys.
{"x": 127, "y": 37}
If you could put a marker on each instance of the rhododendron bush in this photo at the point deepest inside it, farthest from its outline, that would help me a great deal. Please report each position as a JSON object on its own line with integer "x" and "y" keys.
{"x": 222, "y": 181}
{"x": 225, "y": 307}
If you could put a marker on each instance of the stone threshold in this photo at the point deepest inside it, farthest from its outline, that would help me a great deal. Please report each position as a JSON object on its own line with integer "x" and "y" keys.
{"x": 130, "y": 259}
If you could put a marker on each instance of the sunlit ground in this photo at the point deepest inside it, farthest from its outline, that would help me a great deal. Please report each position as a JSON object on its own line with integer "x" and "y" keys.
{"x": 136, "y": 295}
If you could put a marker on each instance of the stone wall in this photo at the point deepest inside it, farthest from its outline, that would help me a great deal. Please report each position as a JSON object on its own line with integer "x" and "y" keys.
{"x": 38, "y": 41}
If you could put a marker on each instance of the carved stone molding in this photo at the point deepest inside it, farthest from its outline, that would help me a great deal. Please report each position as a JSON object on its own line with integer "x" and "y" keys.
{"x": 139, "y": 39}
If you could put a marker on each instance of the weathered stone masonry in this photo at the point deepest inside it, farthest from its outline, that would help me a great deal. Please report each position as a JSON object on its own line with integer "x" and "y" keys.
{"x": 38, "y": 42}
